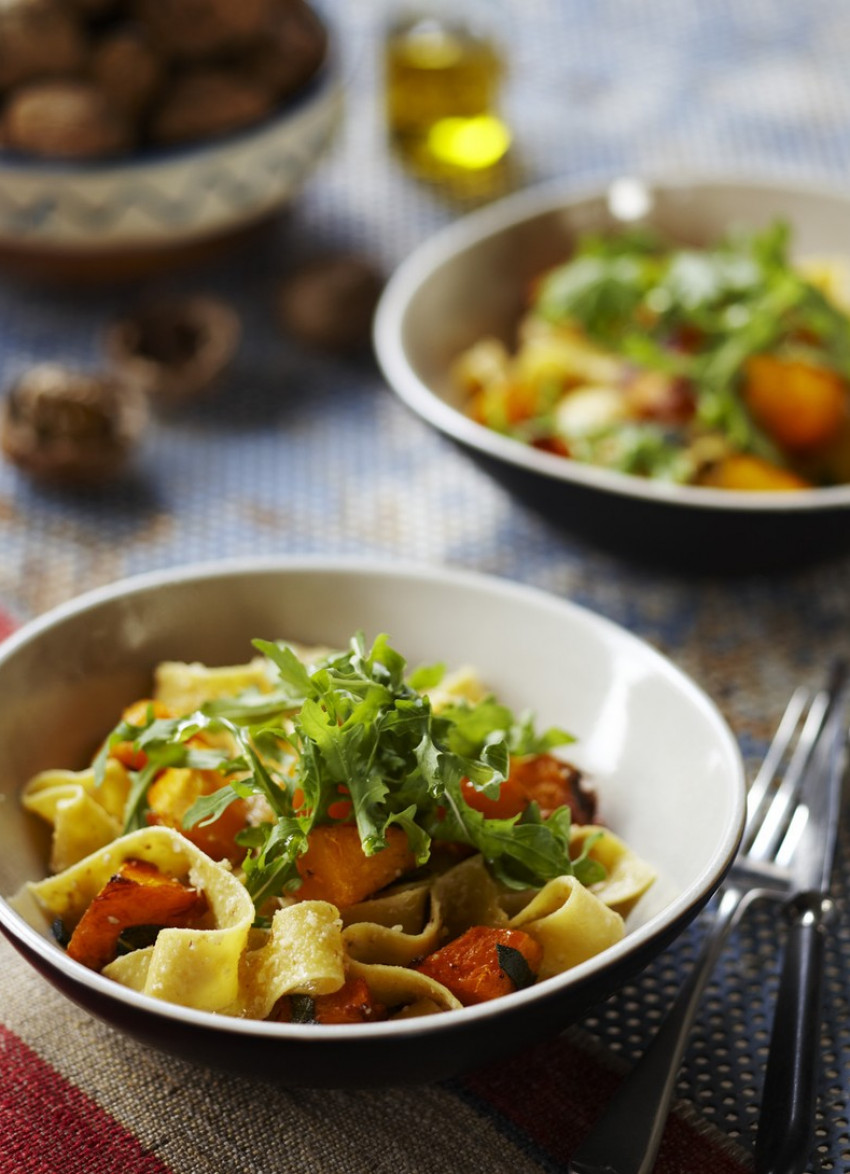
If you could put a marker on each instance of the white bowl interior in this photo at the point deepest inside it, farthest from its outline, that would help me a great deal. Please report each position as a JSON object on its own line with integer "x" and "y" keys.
{"x": 667, "y": 768}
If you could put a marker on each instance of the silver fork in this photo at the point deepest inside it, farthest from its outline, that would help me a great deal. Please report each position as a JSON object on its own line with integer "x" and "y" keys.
{"x": 626, "y": 1137}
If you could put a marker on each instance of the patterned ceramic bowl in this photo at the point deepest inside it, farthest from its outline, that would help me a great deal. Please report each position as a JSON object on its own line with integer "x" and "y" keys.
{"x": 168, "y": 198}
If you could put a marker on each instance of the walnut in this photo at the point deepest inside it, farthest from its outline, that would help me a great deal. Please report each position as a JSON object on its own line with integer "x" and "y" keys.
{"x": 292, "y": 48}
{"x": 198, "y": 30}
{"x": 329, "y": 304}
{"x": 64, "y": 119}
{"x": 38, "y": 38}
{"x": 127, "y": 69}
{"x": 89, "y": 79}
{"x": 175, "y": 348}
{"x": 204, "y": 103}
{"x": 69, "y": 427}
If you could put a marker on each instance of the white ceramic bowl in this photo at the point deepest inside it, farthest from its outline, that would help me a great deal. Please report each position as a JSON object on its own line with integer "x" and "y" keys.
{"x": 165, "y": 198}
{"x": 470, "y": 280}
{"x": 667, "y": 770}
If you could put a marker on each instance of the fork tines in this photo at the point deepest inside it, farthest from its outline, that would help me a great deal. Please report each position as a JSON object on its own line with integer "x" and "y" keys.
{"x": 774, "y": 816}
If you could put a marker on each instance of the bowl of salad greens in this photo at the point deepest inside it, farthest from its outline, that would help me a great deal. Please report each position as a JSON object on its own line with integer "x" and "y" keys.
{"x": 174, "y": 923}
{"x": 661, "y": 367}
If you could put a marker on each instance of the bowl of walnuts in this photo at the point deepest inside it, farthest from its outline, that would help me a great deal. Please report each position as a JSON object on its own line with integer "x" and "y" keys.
{"x": 130, "y": 126}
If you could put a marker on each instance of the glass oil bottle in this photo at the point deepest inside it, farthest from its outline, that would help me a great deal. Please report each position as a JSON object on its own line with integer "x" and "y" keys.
{"x": 443, "y": 75}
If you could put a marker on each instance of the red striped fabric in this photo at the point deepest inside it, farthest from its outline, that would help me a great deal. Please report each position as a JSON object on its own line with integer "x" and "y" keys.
{"x": 48, "y": 1126}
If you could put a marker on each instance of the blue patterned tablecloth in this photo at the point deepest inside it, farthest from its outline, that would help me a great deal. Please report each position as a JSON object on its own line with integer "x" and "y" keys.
{"x": 299, "y": 453}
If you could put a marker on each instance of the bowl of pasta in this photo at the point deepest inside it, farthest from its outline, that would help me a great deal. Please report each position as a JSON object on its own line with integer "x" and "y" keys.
{"x": 347, "y": 823}
{"x": 659, "y": 366}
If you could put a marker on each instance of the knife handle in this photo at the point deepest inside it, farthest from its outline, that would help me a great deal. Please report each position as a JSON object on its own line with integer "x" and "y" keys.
{"x": 788, "y": 1102}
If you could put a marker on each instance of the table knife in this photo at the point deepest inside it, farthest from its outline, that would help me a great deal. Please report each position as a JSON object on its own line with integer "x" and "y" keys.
{"x": 786, "y": 1121}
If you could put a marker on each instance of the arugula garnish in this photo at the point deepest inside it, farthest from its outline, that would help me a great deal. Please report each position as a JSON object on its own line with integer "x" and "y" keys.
{"x": 358, "y": 723}
{"x": 639, "y": 297}
{"x": 164, "y": 743}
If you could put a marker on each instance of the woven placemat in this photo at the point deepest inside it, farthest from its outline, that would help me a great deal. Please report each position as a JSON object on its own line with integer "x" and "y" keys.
{"x": 76, "y": 1097}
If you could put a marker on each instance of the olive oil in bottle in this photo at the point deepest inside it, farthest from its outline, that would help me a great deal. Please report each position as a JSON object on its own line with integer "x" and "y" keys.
{"x": 442, "y": 86}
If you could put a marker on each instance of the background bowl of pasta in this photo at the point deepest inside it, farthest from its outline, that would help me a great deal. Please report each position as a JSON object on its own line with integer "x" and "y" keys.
{"x": 456, "y": 342}
{"x": 664, "y": 765}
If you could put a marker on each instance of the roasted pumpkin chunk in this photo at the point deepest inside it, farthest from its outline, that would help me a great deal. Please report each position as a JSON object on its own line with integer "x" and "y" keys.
{"x": 173, "y": 793}
{"x": 801, "y": 405}
{"x": 352, "y": 1003}
{"x": 748, "y": 472}
{"x": 335, "y": 868}
{"x": 541, "y": 778}
{"x": 138, "y": 894}
{"x": 485, "y": 963}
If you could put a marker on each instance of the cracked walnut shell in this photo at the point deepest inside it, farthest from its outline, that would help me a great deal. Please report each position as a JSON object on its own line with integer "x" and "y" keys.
{"x": 70, "y": 427}
{"x": 176, "y": 348}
